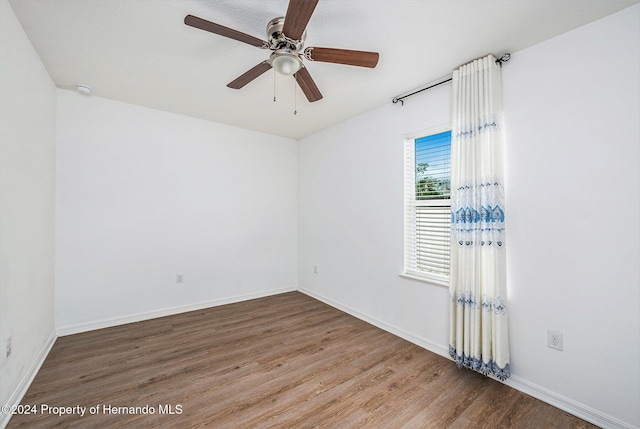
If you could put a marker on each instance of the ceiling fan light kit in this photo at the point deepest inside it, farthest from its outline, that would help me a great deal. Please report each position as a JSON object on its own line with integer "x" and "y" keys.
{"x": 285, "y": 37}
{"x": 285, "y": 62}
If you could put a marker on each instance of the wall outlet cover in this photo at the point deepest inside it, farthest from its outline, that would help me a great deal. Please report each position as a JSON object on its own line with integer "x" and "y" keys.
{"x": 554, "y": 339}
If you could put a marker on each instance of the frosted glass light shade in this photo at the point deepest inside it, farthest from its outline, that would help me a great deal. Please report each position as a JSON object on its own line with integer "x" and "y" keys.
{"x": 285, "y": 63}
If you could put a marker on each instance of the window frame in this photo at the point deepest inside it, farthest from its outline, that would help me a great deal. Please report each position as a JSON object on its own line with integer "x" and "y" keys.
{"x": 410, "y": 202}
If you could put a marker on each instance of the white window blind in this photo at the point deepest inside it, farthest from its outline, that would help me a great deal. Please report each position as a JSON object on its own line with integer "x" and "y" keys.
{"x": 427, "y": 206}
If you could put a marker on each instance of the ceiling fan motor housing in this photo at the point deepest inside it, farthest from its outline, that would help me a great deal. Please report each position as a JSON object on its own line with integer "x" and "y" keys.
{"x": 278, "y": 40}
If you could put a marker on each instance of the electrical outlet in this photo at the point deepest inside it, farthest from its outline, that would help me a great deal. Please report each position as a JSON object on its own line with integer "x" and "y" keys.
{"x": 7, "y": 348}
{"x": 554, "y": 339}
{"x": 179, "y": 278}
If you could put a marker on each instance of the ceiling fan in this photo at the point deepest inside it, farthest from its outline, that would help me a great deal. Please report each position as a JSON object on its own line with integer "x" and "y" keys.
{"x": 286, "y": 36}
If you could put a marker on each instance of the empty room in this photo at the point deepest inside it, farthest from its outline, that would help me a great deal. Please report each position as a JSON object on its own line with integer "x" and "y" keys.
{"x": 317, "y": 213}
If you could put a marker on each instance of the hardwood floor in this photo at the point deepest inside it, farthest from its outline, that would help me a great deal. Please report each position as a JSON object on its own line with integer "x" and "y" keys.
{"x": 286, "y": 361}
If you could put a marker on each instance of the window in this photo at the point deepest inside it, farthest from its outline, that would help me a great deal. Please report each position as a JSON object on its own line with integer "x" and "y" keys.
{"x": 428, "y": 207}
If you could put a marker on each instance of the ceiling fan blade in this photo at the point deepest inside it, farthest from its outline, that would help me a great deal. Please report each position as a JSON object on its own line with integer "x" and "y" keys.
{"x": 297, "y": 17}
{"x": 221, "y": 30}
{"x": 343, "y": 56}
{"x": 307, "y": 85}
{"x": 250, "y": 75}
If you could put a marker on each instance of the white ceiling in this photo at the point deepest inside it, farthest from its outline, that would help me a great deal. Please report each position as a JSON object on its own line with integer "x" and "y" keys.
{"x": 141, "y": 52}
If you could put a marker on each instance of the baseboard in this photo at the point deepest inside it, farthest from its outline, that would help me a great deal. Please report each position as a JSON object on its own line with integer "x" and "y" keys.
{"x": 139, "y": 317}
{"x": 552, "y": 398}
{"x": 31, "y": 373}
{"x": 567, "y": 404}
{"x": 436, "y": 348}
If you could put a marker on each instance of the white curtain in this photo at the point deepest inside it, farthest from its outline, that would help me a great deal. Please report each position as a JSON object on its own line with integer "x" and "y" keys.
{"x": 478, "y": 319}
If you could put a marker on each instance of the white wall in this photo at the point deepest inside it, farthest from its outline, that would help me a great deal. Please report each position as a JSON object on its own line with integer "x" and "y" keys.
{"x": 143, "y": 195}
{"x": 351, "y": 218}
{"x": 573, "y": 106}
{"x": 573, "y": 203}
{"x": 27, "y": 179}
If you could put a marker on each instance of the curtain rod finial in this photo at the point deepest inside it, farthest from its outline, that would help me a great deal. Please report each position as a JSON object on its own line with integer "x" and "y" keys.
{"x": 503, "y": 58}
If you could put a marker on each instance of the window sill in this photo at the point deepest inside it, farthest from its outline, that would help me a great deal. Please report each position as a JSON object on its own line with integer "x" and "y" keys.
{"x": 438, "y": 281}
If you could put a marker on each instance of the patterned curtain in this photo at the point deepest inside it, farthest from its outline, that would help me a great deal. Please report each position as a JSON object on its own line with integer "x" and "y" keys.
{"x": 478, "y": 319}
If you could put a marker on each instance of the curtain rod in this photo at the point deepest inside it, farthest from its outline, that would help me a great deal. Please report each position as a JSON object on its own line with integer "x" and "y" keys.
{"x": 503, "y": 59}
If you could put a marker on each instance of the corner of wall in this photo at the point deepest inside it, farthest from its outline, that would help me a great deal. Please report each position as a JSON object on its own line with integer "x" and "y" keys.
{"x": 27, "y": 202}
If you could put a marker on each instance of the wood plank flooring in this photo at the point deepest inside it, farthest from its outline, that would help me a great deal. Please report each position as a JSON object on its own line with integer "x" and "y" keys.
{"x": 285, "y": 361}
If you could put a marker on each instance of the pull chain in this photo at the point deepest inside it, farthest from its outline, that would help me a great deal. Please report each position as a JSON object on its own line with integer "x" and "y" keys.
{"x": 295, "y": 98}
{"x": 274, "y": 85}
